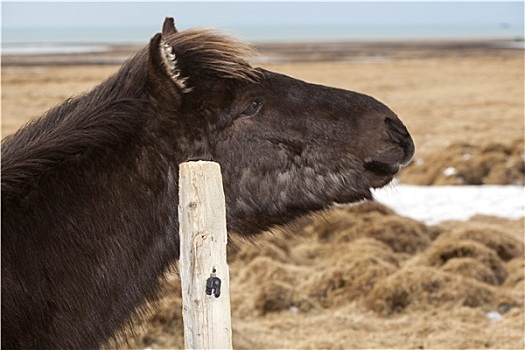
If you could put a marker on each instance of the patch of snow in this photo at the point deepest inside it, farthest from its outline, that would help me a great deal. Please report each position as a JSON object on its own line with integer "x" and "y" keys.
{"x": 494, "y": 316}
{"x": 434, "y": 204}
{"x": 450, "y": 171}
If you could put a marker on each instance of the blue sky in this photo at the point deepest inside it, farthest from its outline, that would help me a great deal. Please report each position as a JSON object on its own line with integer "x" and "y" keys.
{"x": 234, "y": 14}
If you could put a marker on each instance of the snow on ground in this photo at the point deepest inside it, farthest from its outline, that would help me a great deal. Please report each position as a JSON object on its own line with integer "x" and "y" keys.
{"x": 433, "y": 204}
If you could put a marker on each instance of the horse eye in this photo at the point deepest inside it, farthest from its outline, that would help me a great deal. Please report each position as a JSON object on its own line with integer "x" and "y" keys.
{"x": 252, "y": 109}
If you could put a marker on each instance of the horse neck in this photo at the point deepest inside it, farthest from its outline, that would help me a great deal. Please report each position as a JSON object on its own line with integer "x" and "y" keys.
{"x": 100, "y": 237}
{"x": 98, "y": 216}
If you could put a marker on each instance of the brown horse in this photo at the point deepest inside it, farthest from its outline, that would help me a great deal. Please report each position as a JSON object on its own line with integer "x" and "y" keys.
{"x": 89, "y": 190}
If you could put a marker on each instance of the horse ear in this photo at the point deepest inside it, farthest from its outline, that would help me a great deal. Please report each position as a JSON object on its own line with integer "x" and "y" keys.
{"x": 164, "y": 76}
{"x": 168, "y": 27}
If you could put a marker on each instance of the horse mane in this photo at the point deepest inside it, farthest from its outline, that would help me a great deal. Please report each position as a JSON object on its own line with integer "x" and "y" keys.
{"x": 208, "y": 54}
{"x": 25, "y": 156}
{"x": 115, "y": 110}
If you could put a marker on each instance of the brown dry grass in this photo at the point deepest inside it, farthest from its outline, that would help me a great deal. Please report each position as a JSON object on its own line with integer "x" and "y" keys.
{"x": 331, "y": 287}
{"x": 491, "y": 163}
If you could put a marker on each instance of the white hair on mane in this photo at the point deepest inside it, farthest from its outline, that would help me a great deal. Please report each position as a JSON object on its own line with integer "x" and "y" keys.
{"x": 170, "y": 64}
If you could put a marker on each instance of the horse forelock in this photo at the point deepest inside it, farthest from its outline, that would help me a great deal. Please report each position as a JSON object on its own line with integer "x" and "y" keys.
{"x": 205, "y": 52}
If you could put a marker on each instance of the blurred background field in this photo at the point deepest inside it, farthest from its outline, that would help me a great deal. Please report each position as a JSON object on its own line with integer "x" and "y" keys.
{"x": 353, "y": 277}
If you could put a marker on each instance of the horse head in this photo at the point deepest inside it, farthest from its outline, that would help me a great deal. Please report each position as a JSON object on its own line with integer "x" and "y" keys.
{"x": 285, "y": 146}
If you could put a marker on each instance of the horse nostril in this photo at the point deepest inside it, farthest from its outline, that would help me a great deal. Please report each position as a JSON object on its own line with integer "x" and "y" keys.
{"x": 400, "y": 135}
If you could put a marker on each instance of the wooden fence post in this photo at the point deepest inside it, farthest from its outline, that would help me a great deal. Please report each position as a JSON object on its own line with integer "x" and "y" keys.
{"x": 203, "y": 239}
